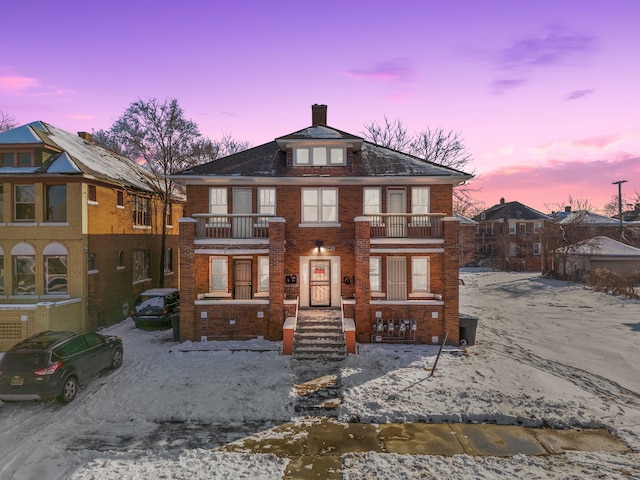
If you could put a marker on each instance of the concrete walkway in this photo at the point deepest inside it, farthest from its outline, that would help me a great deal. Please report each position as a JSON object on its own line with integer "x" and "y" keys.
{"x": 315, "y": 445}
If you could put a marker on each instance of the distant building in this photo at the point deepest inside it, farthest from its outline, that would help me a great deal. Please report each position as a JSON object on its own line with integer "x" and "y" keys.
{"x": 598, "y": 252}
{"x": 508, "y": 237}
{"x": 468, "y": 228}
{"x": 79, "y": 233}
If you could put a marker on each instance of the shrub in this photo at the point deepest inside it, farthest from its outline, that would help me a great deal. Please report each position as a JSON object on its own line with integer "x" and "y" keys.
{"x": 604, "y": 280}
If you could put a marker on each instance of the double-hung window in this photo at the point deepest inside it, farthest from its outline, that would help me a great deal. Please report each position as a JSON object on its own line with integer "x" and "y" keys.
{"x": 375, "y": 274}
{"x": 420, "y": 199}
{"x": 266, "y": 204}
{"x": 372, "y": 205}
{"x": 141, "y": 211}
{"x": 25, "y": 203}
{"x": 512, "y": 228}
{"x": 420, "y": 272}
{"x": 219, "y": 275}
{"x": 319, "y": 205}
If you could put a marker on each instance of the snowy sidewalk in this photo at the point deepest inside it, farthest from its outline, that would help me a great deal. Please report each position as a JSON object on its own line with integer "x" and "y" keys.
{"x": 315, "y": 446}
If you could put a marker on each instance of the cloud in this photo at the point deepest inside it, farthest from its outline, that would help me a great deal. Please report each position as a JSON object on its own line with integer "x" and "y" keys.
{"x": 576, "y": 94}
{"x": 551, "y": 49}
{"x": 394, "y": 70}
{"x": 541, "y": 186}
{"x": 500, "y": 87}
{"x": 589, "y": 148}
{"x": 15, "y": 84}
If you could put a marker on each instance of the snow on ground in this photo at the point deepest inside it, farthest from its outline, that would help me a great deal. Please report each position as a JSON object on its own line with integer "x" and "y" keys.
{"x": 546, "y": 353}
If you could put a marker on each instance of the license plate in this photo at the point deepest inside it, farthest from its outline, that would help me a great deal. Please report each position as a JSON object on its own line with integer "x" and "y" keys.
{"x": 17, "y": 381}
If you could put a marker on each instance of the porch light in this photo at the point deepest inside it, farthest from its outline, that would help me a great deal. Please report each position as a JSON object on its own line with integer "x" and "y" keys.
{"x": 319, "y": 244}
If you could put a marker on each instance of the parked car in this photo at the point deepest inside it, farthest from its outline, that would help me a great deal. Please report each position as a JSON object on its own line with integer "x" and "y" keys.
{"x": 53, "y": 364}
{"x": 156, "y": 307}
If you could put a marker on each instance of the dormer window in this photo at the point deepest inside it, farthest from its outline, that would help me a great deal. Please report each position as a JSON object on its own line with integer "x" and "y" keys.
{"x": 319, "y": 156}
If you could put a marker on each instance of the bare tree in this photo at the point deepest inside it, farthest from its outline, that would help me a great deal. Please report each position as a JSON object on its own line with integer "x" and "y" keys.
{"x": 7, "y": 122}
{"x": 573, "y": 204}
{"x": 158, "y": 135}
{"x": 629, "y": 201}
{"x": 433, "y": 145}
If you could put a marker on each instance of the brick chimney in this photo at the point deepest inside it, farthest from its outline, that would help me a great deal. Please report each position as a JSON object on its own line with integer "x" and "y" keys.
{"x": 86, "y": 136}
{"x": 318, "y": 114}
{"x": 567, "y": 209}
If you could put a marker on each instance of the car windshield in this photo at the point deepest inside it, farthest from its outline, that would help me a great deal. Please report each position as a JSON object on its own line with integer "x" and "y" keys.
{"x": 150, "y": 302}
{"x": 23, "y": 359}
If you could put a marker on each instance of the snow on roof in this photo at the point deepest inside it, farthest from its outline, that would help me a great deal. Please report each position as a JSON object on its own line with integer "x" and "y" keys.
{"x": 604, "y": 247}
{"x": 63, "y": 164}
{"x": 77, "y": 156}
{"x": 585, "y": 217}
{"x": 23, "y": 134}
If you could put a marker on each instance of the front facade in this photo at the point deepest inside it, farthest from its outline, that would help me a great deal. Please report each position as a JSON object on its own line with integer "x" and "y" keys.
{"x": 508, "y": 237}
{"x": 78, "y": 234}
{"x": 318, "y": 219}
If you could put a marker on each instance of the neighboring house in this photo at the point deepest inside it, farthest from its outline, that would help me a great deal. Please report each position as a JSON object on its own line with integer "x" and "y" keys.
{"x": 323, "y": 219}
{"x": 79, "y": 234}
{"x": 598, "y": 252}
{"x": 468, "y": 229}
{"x": 508, "y": 237}
{"x": 581, "y": 224}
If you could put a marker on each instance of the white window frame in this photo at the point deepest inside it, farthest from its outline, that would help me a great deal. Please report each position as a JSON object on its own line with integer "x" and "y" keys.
{"x": 420, "y": 275}
{"x": 375, "y": 274}
{"x": 537, "y": 226}
{"x": 218, "y": 201}
{"x": 219, "y": 274}
{"x": 512, "y": 228}
{"x": 420, "y": 200}
{"x": 263, "y": 274}
{"x": 319, "y": 206}
{"x": 536, "y": 248}
{"x": 320, "y": 156}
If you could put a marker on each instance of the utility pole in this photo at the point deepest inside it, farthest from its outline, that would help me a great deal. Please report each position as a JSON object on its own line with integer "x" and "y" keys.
{"x": 619, "y": 183}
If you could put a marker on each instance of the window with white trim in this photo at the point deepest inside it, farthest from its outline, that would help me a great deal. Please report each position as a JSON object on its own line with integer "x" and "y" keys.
{"x": 141, "y": 210}
{"x": 537, "y": 226}
{"x": 55, "y": 269}
{"x": 420, "y": 275}
{"x": 319, "y": 205}
{"x": 263, "y": 274}
{"x": 512, "y": 228}
{"x": 24, "y": 269}
{"x": 25, "y": 202}
{"x": 319, "y": 156}
{"x": 371, "y": 201}
{"x": 420, "y": 200}
{"x": 375, "y": 274}
{"x": 218, "y": 203}
{"x": 218, "y": 275}
{"x": 266, "y": 204}
{"x": 536, "y": 249}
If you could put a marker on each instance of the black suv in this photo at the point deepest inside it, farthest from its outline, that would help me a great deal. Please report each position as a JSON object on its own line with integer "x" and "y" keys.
{"x": 156, "y": 307}
{"x": 52, "y": 364}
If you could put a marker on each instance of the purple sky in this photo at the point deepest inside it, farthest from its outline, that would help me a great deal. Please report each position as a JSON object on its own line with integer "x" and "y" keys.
{"x": 545, "y": 93}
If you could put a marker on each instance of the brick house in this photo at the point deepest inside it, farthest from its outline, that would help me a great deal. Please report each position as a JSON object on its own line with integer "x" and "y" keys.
{"x": 508, "y": 237}
{"x": 318, "y": 218}
{"x": 79, "y": 235}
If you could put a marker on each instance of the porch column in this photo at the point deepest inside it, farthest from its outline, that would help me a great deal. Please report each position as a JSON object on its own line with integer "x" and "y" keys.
{"x": 361, "y": 252}
{"x": 188, "y": 323}
{"x": 276, "y": 279}
{"x": 451, "y": 232}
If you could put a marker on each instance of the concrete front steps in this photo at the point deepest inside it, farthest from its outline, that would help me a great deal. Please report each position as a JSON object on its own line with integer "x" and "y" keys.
{"x": 319, "y": 336}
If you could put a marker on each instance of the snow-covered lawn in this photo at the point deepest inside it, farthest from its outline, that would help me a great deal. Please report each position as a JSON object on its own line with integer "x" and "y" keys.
{"x": 546, "y": 353}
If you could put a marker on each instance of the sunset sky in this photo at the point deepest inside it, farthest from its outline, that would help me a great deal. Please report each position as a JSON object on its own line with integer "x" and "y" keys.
{"x": 544, "y": 93}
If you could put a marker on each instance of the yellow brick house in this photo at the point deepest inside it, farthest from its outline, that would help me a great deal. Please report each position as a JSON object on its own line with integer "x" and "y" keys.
{"x": 79, "y": 233}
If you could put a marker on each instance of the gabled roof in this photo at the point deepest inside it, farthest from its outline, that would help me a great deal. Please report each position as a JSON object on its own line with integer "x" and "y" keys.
{"x": 511, "y": 211}
{"x": 369, "y": 160}
{"x": 465, "y": 220}
{"x": 603, "y": 247}
{"x": 76, "y": 156}
{"x": 584, "y": 217}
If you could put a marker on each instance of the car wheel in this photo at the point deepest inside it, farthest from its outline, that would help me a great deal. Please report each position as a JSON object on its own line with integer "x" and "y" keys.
{"x": 116, "y": 359}
{"x": 69, "y": 390}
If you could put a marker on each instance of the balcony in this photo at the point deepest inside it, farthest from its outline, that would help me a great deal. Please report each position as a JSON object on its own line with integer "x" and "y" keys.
{"x": 231, "y": 226}
{"x": 406, "y": 225}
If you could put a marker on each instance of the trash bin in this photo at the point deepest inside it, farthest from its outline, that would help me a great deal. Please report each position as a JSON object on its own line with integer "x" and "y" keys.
{"x": 468, "y": 327}
{"x": 175, "y": 323}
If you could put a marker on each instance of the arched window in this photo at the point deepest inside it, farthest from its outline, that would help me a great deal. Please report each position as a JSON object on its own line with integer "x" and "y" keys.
{"x": 23, "y": 258}
{"x": 55, "y": 269}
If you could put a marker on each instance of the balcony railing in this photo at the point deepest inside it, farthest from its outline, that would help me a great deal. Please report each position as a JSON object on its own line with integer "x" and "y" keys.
{"x": 406, "y": 225}
{"x": 232, "y": 226}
